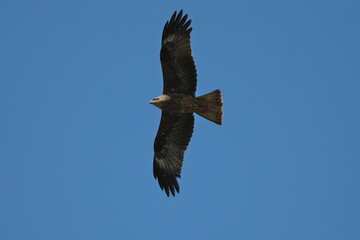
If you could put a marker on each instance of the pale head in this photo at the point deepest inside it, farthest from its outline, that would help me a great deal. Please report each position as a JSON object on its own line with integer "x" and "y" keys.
{"x": 159, "y": 101}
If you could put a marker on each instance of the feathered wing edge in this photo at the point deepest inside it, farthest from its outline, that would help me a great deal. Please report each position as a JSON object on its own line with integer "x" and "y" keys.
{"x": 177, "y": 22}
{"x": 171, "y": 141}
{"x": 168, "y": 183}
{"x": 178, "y": 66}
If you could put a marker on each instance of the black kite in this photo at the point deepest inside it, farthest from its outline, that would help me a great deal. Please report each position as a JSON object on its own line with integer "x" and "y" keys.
{"x": 178, "y": 103}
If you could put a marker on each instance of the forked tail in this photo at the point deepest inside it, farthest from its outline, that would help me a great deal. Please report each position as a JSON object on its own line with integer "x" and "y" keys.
{"x": 210, "y": 106}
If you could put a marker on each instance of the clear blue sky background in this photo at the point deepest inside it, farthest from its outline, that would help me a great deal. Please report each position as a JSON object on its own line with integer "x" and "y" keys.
{"x": 77, "y": 132}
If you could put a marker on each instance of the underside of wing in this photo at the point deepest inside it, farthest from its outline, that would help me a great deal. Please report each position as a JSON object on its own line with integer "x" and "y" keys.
{"x": 171, "y": 141}
{"x": 177, "y": 63}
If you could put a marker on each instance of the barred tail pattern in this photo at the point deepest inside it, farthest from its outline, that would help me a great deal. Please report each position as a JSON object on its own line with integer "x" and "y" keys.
{"x": 210, "y": 106}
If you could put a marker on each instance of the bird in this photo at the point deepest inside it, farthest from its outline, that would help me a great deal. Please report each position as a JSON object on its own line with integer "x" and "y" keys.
{"x": 178, "y": 103}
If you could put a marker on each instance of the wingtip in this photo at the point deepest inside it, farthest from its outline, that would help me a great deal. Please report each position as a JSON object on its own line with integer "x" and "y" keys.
{"x": 178, "y": 24}
{"x": 170, "y": 185}
{"x": 167, "y": 182}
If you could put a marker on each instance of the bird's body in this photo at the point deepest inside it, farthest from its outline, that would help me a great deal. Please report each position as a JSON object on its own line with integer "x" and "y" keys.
{"x": 178, "y": 103}
{"x": 205, "y": 105}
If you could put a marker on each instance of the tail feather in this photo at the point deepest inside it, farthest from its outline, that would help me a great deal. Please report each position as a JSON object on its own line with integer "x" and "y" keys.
{"x": 210, "y": 106}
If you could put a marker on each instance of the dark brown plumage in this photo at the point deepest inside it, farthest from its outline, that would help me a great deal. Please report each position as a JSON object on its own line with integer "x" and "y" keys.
{"x": 178, "y": 103}
{"x": 179, "y": 72}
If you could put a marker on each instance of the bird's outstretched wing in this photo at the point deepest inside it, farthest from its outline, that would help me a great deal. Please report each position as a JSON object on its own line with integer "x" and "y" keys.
{"x": 171, "y": 141}
{"x": 177, "y": 63}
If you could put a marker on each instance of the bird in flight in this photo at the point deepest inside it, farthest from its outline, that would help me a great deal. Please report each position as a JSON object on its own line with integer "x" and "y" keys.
{"x": 178, "y": 103}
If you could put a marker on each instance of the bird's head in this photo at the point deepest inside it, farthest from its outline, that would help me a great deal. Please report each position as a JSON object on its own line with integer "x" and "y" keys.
{"x": 159, "y": 101}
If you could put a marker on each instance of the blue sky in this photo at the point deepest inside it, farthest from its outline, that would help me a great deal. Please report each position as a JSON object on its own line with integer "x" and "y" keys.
{"x": 77, "y": 132}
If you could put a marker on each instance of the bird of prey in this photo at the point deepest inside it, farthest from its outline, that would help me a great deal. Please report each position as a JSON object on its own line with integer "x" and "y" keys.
{"x": 178, "y": 103}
